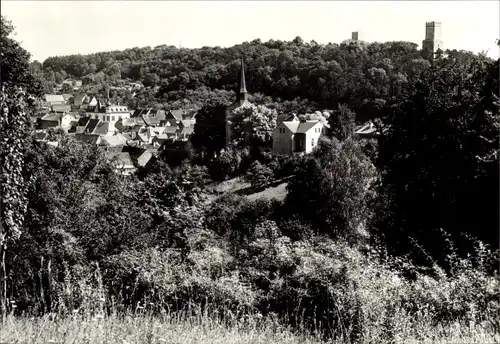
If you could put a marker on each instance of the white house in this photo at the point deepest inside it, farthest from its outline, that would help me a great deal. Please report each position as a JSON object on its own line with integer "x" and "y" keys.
{"x": 297, "y": 136}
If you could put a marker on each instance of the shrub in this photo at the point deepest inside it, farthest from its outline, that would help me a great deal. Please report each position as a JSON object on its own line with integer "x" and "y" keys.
{"x": 258, "y": 174}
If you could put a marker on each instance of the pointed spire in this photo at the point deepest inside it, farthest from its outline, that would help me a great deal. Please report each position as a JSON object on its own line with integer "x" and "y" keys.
{"x": 243, "y": 87}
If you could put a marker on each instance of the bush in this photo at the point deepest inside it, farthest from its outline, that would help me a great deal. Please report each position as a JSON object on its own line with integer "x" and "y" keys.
{"x": 259, "y": 175}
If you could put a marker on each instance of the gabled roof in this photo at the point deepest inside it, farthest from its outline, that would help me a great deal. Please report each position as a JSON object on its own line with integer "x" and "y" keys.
{"x": 54, "y": 98}
{"x": 104, "y": 128}
{"x": 121, "y": 160}
{"x": 78, "y": 99}
{"x": 140, "y": 156}
{"x": 114, "y": 141}
{"x": 306, "y": 126}
{"x": 300, "y": 127}
{"x": 292, "y": 125}
{"x": 188, "y": 123}
{"x": 154, "y": 119}
{"x": 61, "y": 108}
{"x": 91, "y": 125}
{"x": 87, "y": 138}
{"x": 141, "y": 112}
{"x": 52, "y": 117}
{"x": 177, "y": 114}
{"x": 367, "y": 129}
{"x": 67, "y": 96}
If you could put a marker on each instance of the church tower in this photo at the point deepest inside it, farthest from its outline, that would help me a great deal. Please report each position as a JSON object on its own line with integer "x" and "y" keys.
{"x": 243, "y": 94}
{"x": 241, "y": 99}
{"x": 432, "y": 41}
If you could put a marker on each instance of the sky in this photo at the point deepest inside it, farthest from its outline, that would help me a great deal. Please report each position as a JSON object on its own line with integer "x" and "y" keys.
{"x": 55, "y": 28}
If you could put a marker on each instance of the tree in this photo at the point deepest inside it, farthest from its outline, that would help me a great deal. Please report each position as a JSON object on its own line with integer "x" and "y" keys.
{"x": 332, "y": 189}
{"x": 16, "y": 104}
{"x": 209, "y": 134}
{"x": 67, "y": 89}
{"x": 253, "y": 125}
{"x": 258, "y": 174}
{"x": 440, "y": 159}
{"x": 342, "y": 122}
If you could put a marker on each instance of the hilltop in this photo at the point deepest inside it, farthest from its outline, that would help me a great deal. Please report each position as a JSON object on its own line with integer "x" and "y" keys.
{"x": 294, "y": 75}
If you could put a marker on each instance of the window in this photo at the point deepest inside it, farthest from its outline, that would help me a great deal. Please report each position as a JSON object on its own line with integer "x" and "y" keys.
{"x": 312, "y": 142}
{"x": 112, "y": 118}
{"x": 107, "y": 118}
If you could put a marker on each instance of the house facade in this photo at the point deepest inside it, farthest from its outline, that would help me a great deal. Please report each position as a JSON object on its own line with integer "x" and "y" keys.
{"x": 297, "y": 136}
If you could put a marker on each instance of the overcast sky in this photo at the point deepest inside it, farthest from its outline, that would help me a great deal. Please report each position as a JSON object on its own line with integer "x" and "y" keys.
{"x": 49, "y": 28}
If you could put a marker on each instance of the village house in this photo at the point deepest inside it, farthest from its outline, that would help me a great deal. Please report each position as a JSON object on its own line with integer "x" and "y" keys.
{"x": 368, "y": 130}
{"x": 297, "y": 136}
{"x": 122, "y": 163}
{"x": 78, "y": 101}
{"x": 53, "y": 99}
{"x": 62, "y": 120}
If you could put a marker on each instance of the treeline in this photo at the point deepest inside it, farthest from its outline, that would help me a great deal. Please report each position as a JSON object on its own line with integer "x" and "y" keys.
{"x": 359, "y": 74}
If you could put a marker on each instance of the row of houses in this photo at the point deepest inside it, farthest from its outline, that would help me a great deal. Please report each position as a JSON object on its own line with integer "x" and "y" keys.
{"x": 131, "y": 138}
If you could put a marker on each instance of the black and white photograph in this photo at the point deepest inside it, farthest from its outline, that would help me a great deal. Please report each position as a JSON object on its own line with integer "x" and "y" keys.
{"x": 249, "y": 172}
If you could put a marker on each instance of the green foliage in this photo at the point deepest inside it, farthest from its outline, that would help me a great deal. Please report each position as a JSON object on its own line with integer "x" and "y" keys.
{"x": 342, "y": 123}
{"x": 252, "y": 126}
{"x": 209, "y": 134}
{"x": 258, "y": 174}
{"x": 332, "y": 188}
{"x": 302, "y": 77}
{"x": 439, "y": 158}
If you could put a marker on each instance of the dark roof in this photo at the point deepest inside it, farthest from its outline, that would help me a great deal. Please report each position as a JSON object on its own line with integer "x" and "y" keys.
{"x": 243, "y": 85}
{"x": 155, "y": 119}
{"x": 91, "y": 125}
{"x": 102, "y": 128}
{"x": 90, "y": 139}
{"x": 306, "y": 126}
{"x": 78, "y": 99}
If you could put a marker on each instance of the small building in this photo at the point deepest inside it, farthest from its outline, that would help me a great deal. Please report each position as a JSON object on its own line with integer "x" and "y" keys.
{"x": 121, "y": 162}
{"x": 297, "y": 136}
{"x": 57, "y": 120}
{"x": 110, "y": 113}
{"x": 54, "y": 99}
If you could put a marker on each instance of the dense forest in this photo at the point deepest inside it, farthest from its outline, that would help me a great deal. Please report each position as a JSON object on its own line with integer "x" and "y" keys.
{"x": 377, "y": 240}
{"x": 361, "y": 75}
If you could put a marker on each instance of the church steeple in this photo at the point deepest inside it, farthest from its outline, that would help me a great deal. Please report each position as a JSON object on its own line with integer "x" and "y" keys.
{"x": 243, "y": 94}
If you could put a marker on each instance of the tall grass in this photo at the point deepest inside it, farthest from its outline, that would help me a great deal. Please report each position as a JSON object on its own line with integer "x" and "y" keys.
{"x": 200, "y": 328}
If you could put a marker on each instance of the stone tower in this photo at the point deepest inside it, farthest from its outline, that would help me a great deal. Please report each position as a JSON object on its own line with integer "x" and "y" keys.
{"x": 432, "y": 41}
{"x": 241, "y": 99}
{"x": 356, "y": 36}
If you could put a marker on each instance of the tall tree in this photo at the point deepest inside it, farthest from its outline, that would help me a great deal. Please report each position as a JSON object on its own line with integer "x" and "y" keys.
{"x": 15, "y": 99}
{"x": 209, "y": 130}
{"x": 440, "y": 159}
